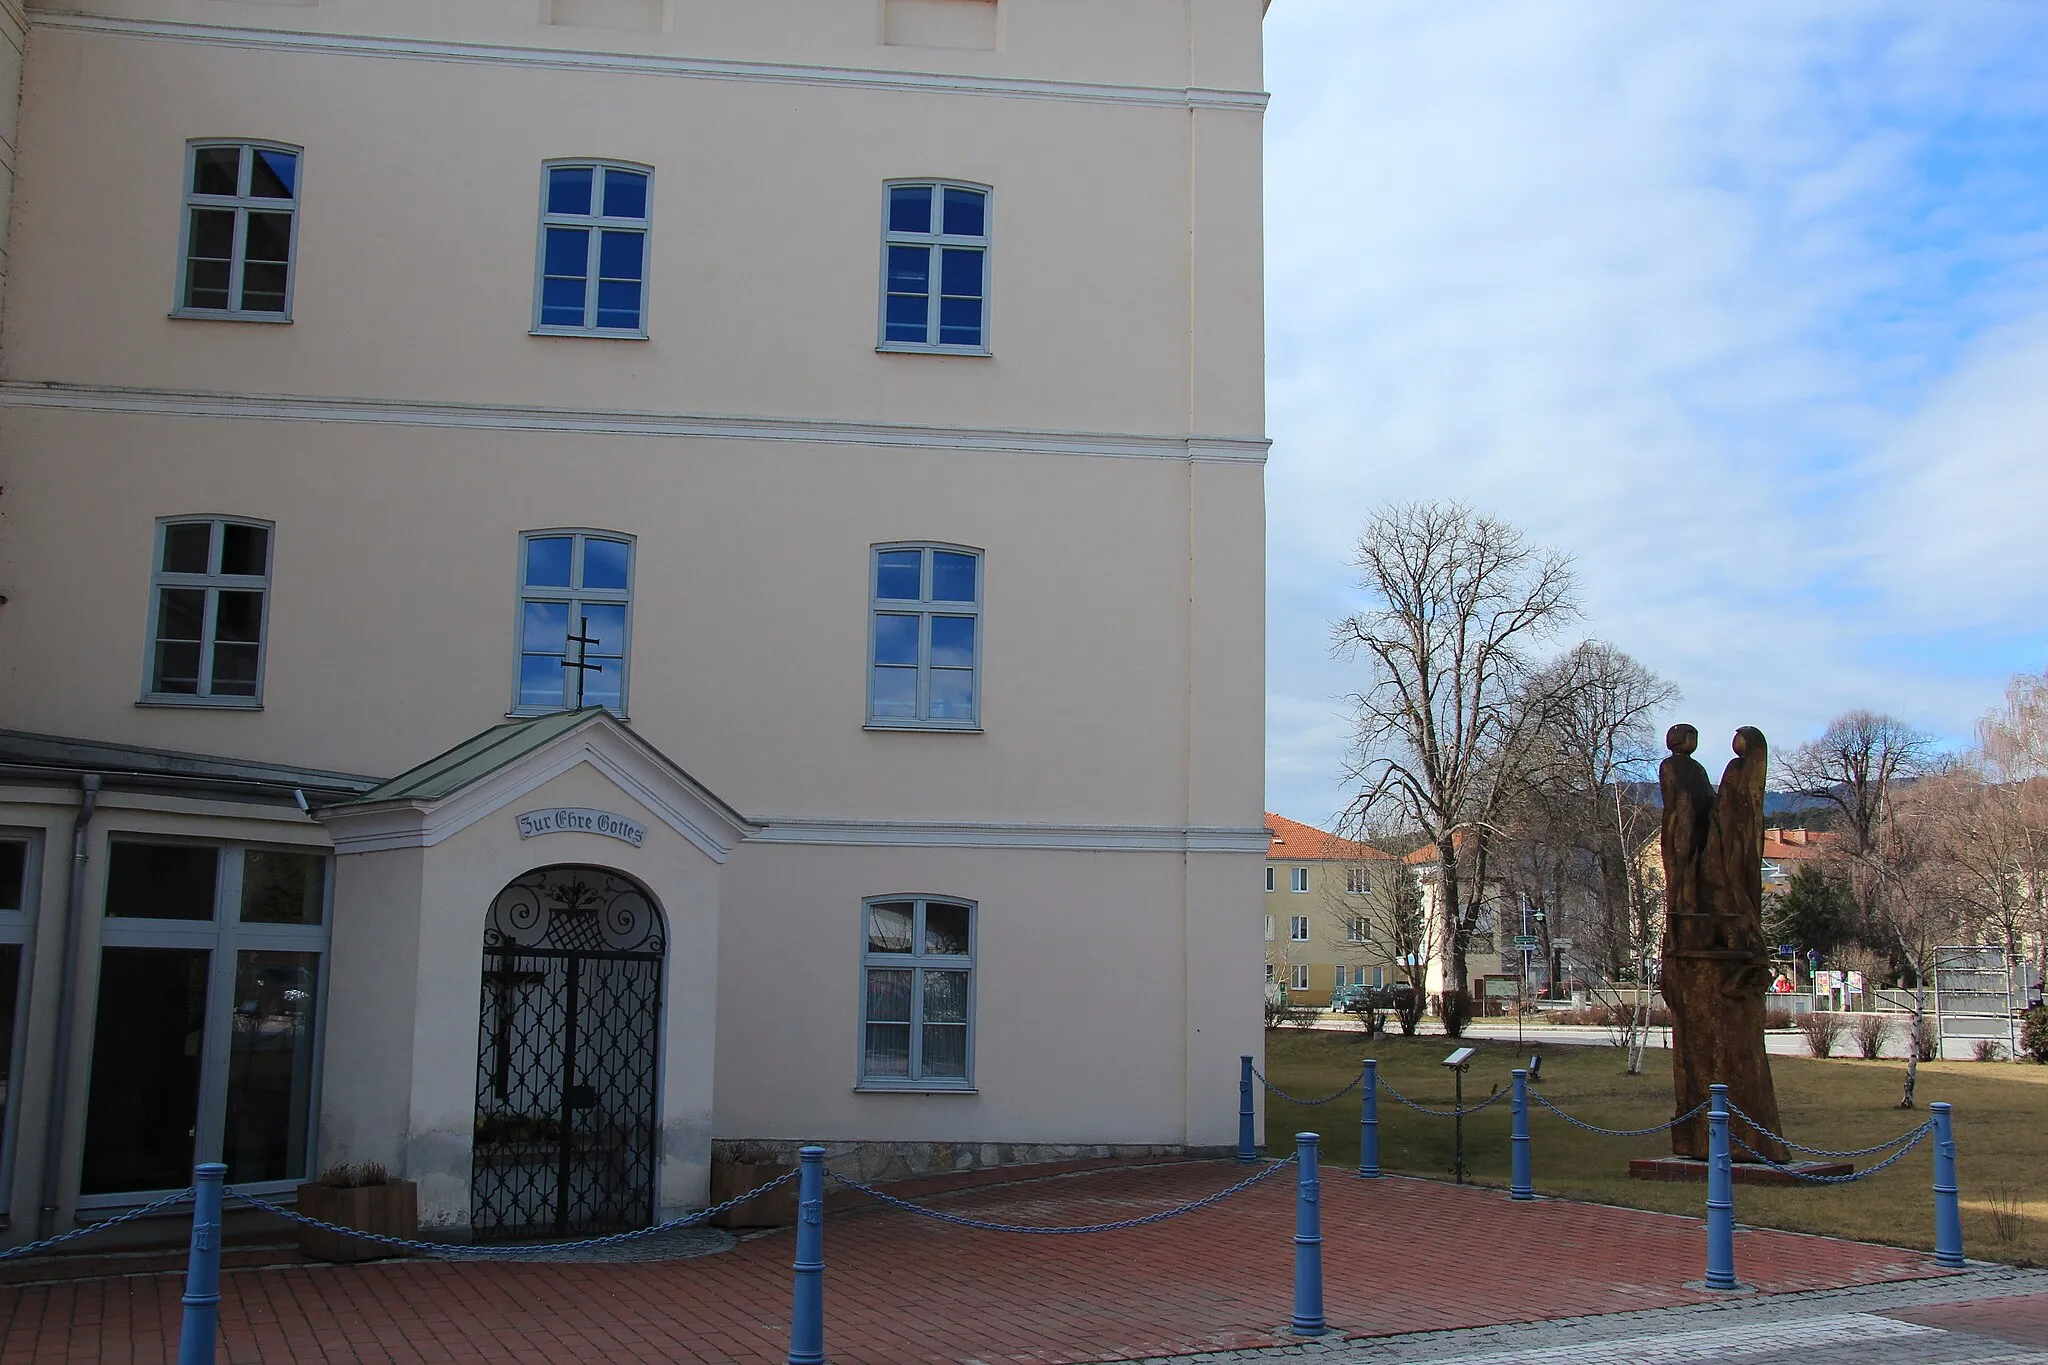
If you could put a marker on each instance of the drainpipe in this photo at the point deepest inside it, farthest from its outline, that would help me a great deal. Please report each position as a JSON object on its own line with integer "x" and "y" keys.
{"x": 67, "y": 993}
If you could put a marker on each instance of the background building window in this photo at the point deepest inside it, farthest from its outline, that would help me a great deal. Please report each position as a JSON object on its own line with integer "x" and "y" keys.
{"x": 1357, "y": 930}
{"x": 208, "y": 600}
{"x": 241, "y": 202}
{"x": 593, "y": 249}
{"x": 1269, "y": 928}
{"x": 1299, "y": 977}
{"x": 209, "y": 993}
{"x": 573, "y": 583}
{"x": 1269, "y": 878}
{"x": 935, "y": 268}
{"x": 924, "y": 641}
{"x": 1355, "y": 881}
{"x": 1300, "y": 882}
{"x": 1297, "y": 929}
{"x": 917, "y": 993}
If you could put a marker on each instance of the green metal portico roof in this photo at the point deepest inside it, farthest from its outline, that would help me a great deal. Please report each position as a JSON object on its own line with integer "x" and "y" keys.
{"x": 478, "y": 757}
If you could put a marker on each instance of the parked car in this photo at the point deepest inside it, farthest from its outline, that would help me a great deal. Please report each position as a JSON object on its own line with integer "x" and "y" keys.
{"x": 1351, "y": 998}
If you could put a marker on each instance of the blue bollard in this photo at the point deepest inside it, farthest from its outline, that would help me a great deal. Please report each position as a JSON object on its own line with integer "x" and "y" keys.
{"x": 201, "y": 1323}
{"x": 1247, "y": 1149}
{"x": 1720, "y": 1196}
{"x": 1519, "y": 1186}
{"x": 1308, "y": 1241}
{"x": 807, "y": 1306}
{"x": 1948, "y": 1210}
{"x": 1369, "y": 1121}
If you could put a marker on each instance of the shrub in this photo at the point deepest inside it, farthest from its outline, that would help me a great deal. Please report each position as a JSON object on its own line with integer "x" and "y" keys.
{"x": 1454, "y": 1007}
{"x": 1373, "y": 1017}
{"x": 1987, "y": 1049}
{"x": 2008, "y": 1211}
{"x": 1873, "y": 1031}
{"x": 1409, "y": 1003}
{"x": 1778, "y": 1019}
{"x": 1822, "y": 1031}
{"x": 1276, "y": 1006}
{"x": 345, "y": 1175}
{"x": 2034, "y": 1033}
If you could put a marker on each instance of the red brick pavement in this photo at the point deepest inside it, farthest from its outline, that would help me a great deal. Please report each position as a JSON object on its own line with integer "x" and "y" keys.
{"x": 1400, "y": 1256}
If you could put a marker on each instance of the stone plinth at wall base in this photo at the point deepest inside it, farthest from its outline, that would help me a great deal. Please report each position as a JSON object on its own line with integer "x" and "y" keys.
{"x": 389, "y": 1210}
{"x": 732, "y": 1177}
{"x": 1745, "y": 1172}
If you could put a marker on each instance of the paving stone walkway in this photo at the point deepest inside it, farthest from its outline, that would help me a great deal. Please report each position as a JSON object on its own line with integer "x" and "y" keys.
{"x": 1402, "y": 1257}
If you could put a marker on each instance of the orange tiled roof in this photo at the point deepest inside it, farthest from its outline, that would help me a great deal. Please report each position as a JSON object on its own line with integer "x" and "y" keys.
{"x": 1426, "y": 855}
{"x": 1799, "y": 845}
{"x": 1306, "y": 843}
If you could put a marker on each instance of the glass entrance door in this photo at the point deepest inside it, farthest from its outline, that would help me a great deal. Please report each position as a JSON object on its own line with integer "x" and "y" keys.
{"x": 205, "y": 1037}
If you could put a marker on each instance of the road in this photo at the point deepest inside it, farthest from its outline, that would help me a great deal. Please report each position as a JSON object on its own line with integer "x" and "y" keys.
{"x": 1779, "y": 1042}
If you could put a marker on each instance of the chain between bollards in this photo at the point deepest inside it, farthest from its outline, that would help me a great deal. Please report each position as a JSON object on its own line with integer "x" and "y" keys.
{"x": 201, "y": 1324}
{"x": 1308, "y": 1240}
{"x": 1369, "y": 1121}
{"x": 1247, "y": 1148}
{"x": 807, "y": 1302}
{"x": 1948, "y": 1212}
{"x": 1720, "y": 1195}
{"x": 1520, "y": 1186}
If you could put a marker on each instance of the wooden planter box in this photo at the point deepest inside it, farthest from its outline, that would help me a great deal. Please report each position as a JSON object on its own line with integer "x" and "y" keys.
{"x": 390, "y": 1210}
{"x": 730, "y": 1179}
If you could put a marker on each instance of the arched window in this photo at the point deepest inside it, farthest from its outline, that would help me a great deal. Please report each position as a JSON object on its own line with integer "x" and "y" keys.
{"x": 575, "y": 621}
{"x": 592, "y": 271}
{"x": 209, "y": 601}
{"x": 241, "y": 221}
{"x": 935, "y": 267}
{"x": 917, "y": 989}
{"x": 924, "y": 641}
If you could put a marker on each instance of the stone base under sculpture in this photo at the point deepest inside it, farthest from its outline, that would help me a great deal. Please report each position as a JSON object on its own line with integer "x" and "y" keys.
{"x": 1745, "y": 1172}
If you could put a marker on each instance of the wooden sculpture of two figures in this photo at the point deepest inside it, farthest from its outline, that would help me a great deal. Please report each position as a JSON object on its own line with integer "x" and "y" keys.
{"x": 1717, "y": 969}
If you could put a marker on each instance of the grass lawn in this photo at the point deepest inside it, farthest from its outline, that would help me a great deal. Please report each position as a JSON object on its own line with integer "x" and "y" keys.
{"x": 2001, "y": 1124}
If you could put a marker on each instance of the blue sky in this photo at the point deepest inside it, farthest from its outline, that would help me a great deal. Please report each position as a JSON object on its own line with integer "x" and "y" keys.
{"x": 1743, "y": 305}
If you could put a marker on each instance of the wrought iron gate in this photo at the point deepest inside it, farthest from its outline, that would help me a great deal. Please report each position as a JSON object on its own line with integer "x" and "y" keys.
{"x": 567, "y": 1048}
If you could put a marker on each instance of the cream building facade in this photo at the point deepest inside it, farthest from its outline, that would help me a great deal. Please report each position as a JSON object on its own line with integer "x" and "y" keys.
{"x": 1329, "y": 913}
{"x": 588, "y": 578}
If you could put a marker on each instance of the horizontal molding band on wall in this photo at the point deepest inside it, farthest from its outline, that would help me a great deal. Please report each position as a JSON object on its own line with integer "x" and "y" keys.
{"x": 654, "y": 64}
{"x": 1084, "y": 838}
{"x": 603, "y": 422}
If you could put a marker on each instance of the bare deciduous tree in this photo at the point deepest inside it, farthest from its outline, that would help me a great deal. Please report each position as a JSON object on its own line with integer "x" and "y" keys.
{"x": 1458, "y": 602}
{"x": 1595, "y": 734}
{"x": 1854, "y": 765}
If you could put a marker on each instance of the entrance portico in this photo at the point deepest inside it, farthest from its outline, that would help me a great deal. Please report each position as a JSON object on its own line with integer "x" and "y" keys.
{"x": 528, "y": 925}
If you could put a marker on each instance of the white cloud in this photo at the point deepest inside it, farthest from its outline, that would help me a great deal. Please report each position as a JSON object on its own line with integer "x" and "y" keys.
{"x": 1694, "y": 293}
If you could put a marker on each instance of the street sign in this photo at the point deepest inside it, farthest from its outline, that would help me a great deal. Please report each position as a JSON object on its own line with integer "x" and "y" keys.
{"x": 1528, "y": 941}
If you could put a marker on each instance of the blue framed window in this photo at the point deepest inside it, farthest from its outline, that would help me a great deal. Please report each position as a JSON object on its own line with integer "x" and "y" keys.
{"x": 935, "y": 267}
{"x": 924, "y": 640}
{"x": 241, "y": 223}
{"x": 573, "y": 583}
{"x": 917, "y": 1017}
{"x": 592, "y": 272}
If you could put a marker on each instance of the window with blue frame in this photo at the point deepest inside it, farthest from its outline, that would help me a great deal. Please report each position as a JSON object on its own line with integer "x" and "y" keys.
{"x": 935, "y": 268}
{"x": 575, "y": 621}
{"x": 593, "y": 250}
{"x": 924, "y": 646}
